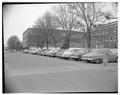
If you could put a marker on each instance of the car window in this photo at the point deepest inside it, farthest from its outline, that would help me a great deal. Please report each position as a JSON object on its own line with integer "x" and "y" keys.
{"x": 102, "y": 51}
{"x": 108, "y": 52}
{"x": 75, "y": 50}
{"x": 97, "y": 51}
{"x": 83, "y": 50}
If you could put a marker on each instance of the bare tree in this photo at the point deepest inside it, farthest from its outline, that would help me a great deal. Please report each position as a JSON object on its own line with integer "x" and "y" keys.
{"x": 38, "y": 37}
{"x": 47, "y": 24}
{"x": 108, "y": 15}
{"x": 89, "y": 14}
{"x": 66, "y": 20}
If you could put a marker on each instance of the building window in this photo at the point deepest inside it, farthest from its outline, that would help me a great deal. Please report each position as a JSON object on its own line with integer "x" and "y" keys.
{"x": 106, "y": 32}
{"x": 107, "y": 40}
{"x": 114, "y": 39}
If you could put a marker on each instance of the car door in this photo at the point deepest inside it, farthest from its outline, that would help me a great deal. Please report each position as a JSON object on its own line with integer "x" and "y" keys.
{"x": 111, "y": 57}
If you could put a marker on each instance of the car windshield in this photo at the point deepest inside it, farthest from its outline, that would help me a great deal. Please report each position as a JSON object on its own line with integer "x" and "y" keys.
{"x": 76, "y": 50}
{"x": 51, "y": 50}
{"x": 46, "y": 50}
{"x": 82, "y": 50}
{"x": 101, "y": 51}
{"x": 97, "y": 51}
{"x": 71, "y": 50}
{"x": 79, "y": 51}
{"x": 61, "y": 51}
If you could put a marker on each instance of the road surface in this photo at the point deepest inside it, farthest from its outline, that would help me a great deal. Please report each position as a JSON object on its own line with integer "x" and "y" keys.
{"x": 34, "y": 73}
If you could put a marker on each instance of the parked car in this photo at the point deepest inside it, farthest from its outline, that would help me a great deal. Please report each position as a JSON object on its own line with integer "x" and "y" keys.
{"x": 39, "y": 51}
{"x": 12, "y": 50}
{"x": 43, "y": 53}
{"x": 97, "y": 55}
{"x": 34, "y": 51}
{"x": 59, "y": 53}
{"x": 26, "y": 51}
{"x": 77, "y": 53}
{"x": 67, "y": 53}
{"x": 116, "y": 54}
{"x": 52, "y": 52}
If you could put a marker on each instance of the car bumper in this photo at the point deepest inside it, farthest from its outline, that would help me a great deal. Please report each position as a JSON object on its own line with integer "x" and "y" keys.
{"x": 57, "y": 55}
{"x": 66, "y": 56}
{"x": 87, "y": 59}
{"x": 74, "y": 57}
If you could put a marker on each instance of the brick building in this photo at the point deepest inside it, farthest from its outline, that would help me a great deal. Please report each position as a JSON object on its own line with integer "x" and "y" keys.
{"x": 102, "y": 36}
{"x": 105, "y": 36}
{"x": 28, "y": 40}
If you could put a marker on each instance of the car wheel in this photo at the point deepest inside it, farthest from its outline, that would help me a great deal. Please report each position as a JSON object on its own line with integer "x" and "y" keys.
{"x": 88, "y": 61}
{"x": 116, "y": 59}
{"x": 78, "y": 59}
{"x": 97, "y": 61}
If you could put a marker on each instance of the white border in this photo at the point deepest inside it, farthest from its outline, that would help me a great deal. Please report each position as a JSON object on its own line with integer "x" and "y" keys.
{"x": 54, "y": 1}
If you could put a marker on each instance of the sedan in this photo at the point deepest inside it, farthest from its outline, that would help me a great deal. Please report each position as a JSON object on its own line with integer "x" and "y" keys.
{"x": 77, "y": 54}
{"x": 52, "y": 52}
{"x": 97, "y": 56}
{"x": 48, "y": 53}
{"x": 68, "y": 52}
{"x": 59, "y": 53}
{"x": 43, "y": 53}
{"x": 34, "y": 51}
{"x": 26, "y": 51}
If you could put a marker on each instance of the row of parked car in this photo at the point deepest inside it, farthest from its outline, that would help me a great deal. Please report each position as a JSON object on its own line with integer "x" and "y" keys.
{"x": 83, "y": 54}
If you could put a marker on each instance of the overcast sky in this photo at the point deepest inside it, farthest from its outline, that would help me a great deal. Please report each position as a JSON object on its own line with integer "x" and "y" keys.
{"x": 18, "y": 17}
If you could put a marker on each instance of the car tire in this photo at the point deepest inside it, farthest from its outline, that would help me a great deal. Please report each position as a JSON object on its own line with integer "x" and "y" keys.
{"x": 97, "y": 61}
{"x": 88, "y": 61}
{"x": 116, "y": 59}
{"x": 78, "y": 59}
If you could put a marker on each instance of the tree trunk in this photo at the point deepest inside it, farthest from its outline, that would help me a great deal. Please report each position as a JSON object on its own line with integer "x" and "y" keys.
{"x": 55, "y": 44}
{"x": 47, "y": 45}
{"x": 37, "y": 45}
{"x": 67, "y": 42}
{"x": 83, "y": 43}
{"x": 88, "y": 38}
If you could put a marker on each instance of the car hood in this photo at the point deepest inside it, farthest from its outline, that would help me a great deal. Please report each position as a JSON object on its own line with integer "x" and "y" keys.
{"x": 67, "y": 53}
{"x": 77, "y": 54}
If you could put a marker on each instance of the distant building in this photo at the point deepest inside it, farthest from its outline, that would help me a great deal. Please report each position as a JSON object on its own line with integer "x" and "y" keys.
{"x": 102, "y": 36}
{"x": 28, "y": 39}
{"x": 105, "y": 36}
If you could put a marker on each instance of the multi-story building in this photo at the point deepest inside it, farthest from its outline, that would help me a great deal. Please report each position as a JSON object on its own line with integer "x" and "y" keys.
{"x": 105, "y": 35}
{"x": 28, "y": 38}
{"x": 102, "y": 36}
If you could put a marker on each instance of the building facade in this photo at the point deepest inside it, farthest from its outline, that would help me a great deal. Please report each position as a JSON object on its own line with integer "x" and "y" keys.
{"x": 102, "y": 36}
{"x": 105, "y": 36}
{"x": 26, "y": 38}
{"x": 30, "y": 33}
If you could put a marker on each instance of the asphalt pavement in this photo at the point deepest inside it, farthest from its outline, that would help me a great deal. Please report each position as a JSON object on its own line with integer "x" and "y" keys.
{"x": 34, "y": 73}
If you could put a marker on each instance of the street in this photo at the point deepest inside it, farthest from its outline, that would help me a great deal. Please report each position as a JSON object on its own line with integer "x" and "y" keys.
{"x": 35, "y": 73}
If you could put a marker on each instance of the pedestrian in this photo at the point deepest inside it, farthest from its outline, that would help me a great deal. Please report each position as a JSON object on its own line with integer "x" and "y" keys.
{"x": 105, "y": 59}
